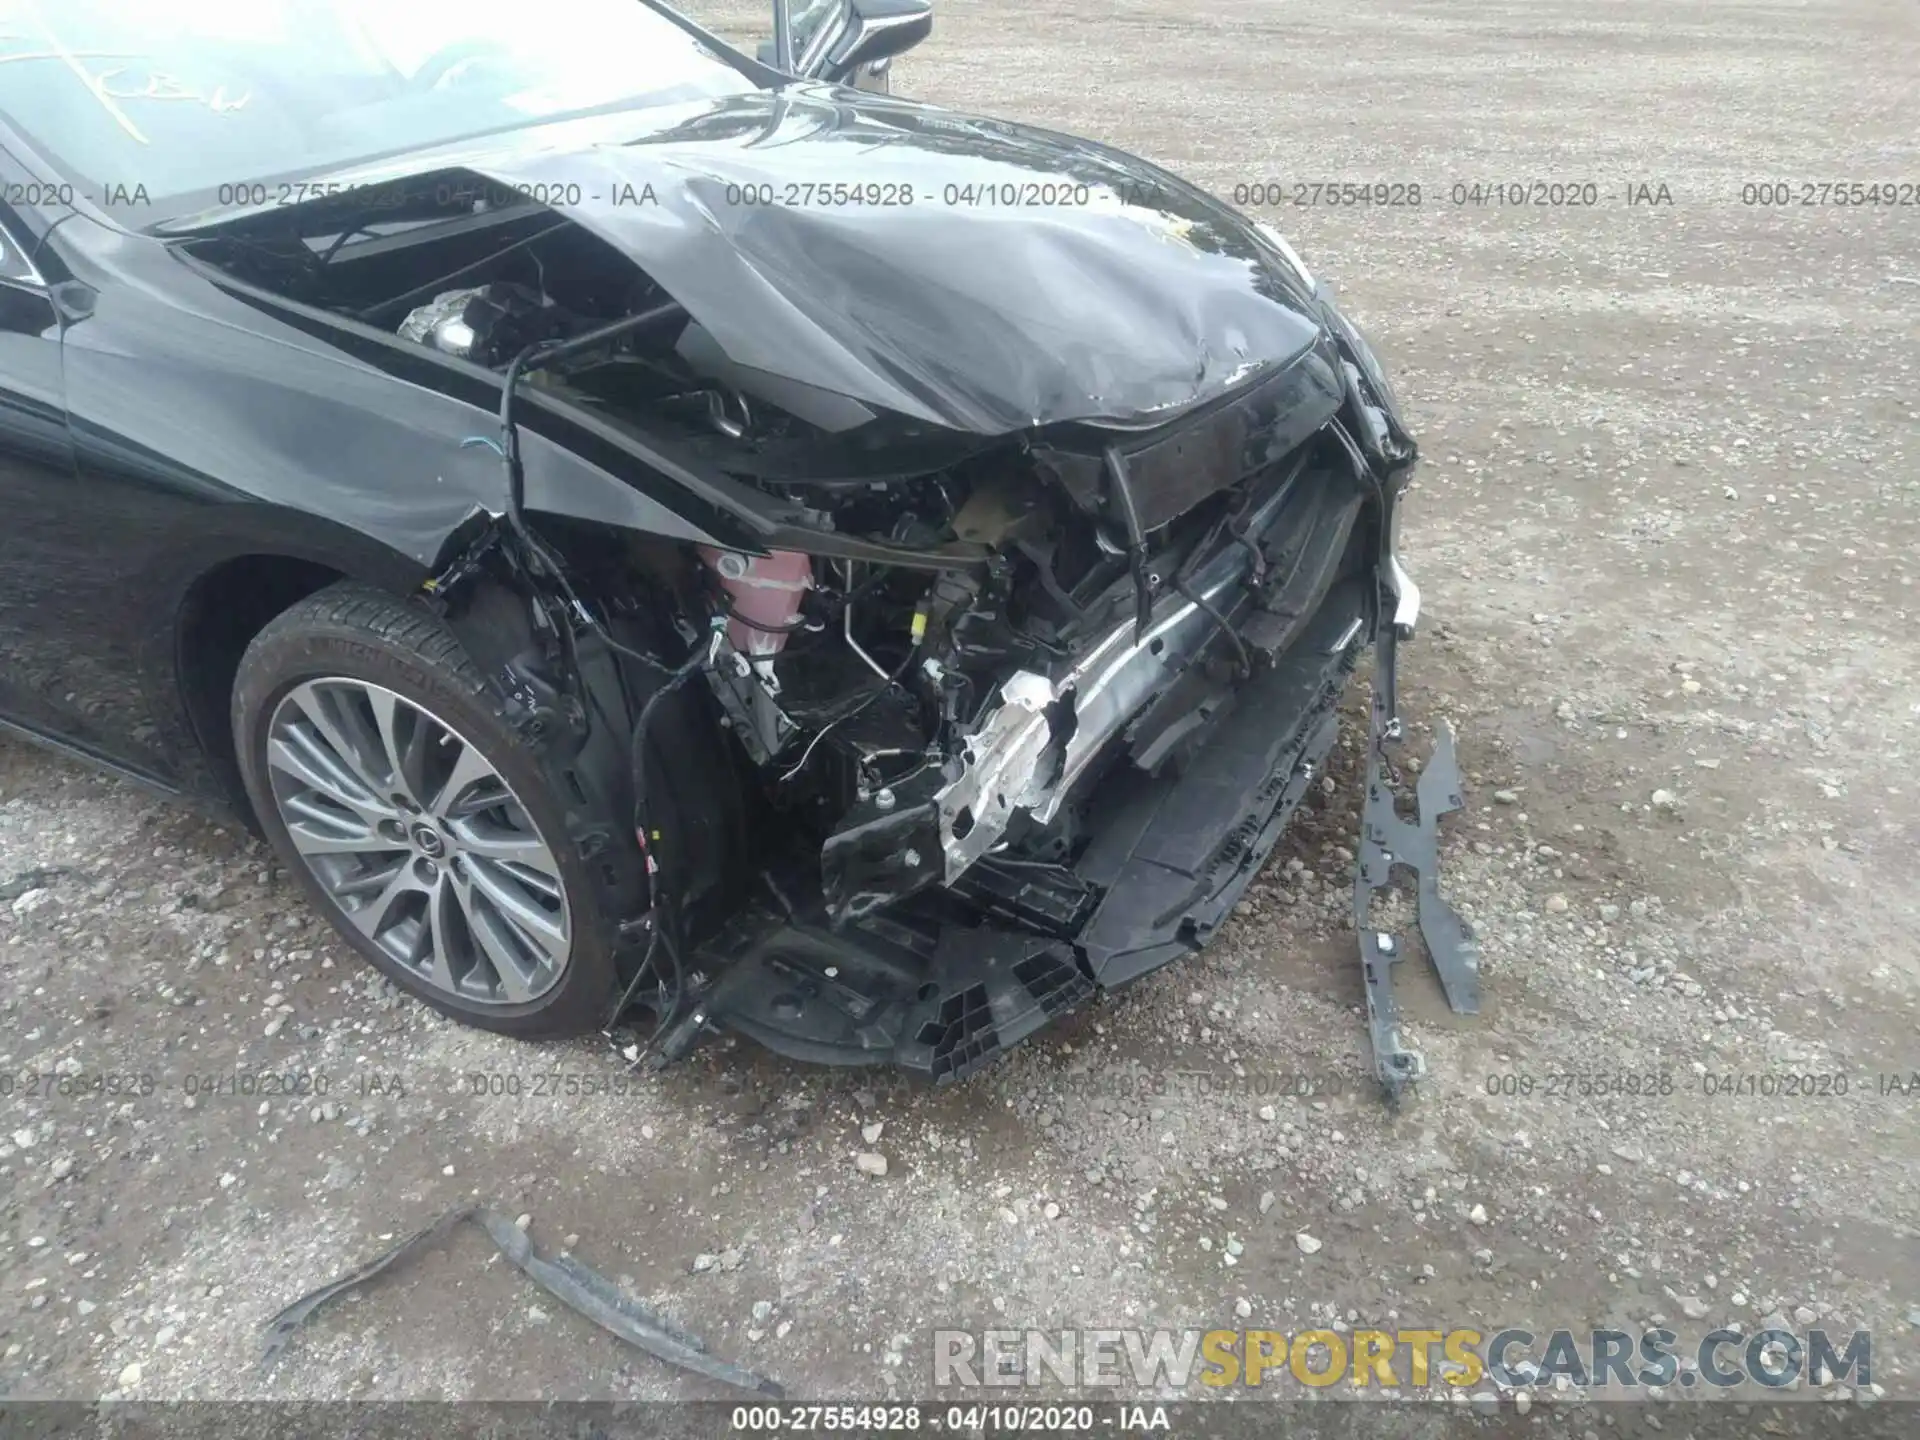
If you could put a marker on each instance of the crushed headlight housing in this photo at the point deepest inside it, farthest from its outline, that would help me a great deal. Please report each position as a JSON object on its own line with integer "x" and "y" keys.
{"x": 1361, "y": 353}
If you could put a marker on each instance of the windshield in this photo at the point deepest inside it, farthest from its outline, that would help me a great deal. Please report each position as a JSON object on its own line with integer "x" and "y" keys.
{"x": 162, "y": 99}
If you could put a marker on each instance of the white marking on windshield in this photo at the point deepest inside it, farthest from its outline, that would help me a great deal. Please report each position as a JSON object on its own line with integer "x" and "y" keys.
{"x": 162, "y": 86}
{"x": 159, "y": 85}
{"x": 72, "y": 61}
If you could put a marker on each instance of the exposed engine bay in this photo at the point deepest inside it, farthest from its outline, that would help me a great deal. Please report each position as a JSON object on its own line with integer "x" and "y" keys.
{"x": 1007, "y": 716}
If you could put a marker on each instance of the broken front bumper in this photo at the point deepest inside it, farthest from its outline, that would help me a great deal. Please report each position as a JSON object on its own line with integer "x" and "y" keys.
{"x": 918, "y": 986}
{"x": 943, "y": 981}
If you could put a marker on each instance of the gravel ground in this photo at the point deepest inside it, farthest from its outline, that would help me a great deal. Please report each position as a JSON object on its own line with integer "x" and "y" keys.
{"x": 1666, "y": 529}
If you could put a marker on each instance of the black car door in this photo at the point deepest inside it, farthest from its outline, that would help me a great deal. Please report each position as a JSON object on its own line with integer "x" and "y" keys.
{"x": 36, "y": 457}
{"x": 69, "y": 638}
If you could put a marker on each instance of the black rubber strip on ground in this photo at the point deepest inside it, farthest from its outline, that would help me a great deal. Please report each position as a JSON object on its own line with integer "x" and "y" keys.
{"x": 565, "y": 1278}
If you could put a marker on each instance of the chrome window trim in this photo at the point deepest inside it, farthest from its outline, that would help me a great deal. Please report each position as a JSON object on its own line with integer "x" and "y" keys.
{"x": 9, "y": 247}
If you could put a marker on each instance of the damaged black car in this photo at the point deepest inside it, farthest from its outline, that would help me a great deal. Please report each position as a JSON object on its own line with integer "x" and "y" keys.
{"x": 651, "y": 530}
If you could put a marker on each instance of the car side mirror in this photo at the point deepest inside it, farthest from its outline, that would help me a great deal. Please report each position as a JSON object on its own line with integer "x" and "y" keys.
{"x": 878, "y": 30}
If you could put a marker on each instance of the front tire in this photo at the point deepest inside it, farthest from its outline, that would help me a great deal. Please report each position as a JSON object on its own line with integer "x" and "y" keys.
{"x": 387, "y": 779}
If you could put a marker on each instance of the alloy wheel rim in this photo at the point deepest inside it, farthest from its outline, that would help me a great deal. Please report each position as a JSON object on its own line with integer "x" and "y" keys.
{"x": 418, "y": 841}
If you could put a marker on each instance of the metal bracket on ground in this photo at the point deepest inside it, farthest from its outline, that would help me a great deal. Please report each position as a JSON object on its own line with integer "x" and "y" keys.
{"x": 1386, "y": 841}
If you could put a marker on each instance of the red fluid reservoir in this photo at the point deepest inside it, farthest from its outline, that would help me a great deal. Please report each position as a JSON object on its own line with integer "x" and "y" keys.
{"x": 765, "y": 590}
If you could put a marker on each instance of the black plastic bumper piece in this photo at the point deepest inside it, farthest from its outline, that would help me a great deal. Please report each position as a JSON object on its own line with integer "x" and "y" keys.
{"x": 1174, "y": 854}
{"x": 907, "y": 988}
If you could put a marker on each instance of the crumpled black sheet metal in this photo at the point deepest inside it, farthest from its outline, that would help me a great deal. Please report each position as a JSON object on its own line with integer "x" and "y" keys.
{"x": 563, "y": 1277}
{"x": 993, "y": 277}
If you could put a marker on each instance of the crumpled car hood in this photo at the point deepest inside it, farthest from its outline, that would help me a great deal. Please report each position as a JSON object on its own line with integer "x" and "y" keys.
{"x": 991, "y": 277}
